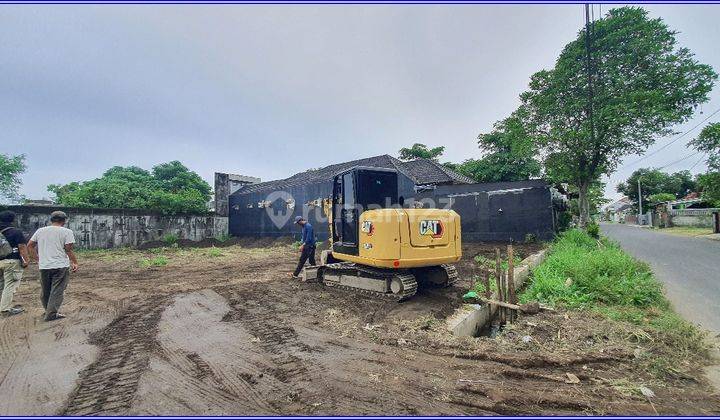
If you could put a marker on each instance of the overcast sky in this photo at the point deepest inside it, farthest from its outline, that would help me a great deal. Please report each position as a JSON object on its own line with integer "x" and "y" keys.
{"x": 268, "y": 91}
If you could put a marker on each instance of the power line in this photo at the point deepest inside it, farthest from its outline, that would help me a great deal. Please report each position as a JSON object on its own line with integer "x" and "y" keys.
{"x": 673, "y": 141}
{"x": 679, "y": 160}
{"x": 696, "y": 163}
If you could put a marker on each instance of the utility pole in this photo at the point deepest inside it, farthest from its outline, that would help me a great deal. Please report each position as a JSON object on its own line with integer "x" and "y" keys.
{"x": 584, "y": 211}
{"x": 639, "y": 202}
{"x": 588, "y": 54}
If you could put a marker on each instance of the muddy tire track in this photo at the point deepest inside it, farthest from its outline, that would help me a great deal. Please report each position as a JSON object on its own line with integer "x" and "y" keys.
{"x": 109, "y": 384}
{"x": 291, "y": 359}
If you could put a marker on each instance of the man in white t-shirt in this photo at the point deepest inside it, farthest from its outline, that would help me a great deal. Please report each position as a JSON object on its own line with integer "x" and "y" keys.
{"x": 54, "y": 246}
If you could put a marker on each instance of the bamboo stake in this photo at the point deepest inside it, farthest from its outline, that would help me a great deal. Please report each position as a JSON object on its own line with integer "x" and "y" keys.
{"x": 498, "y": 274}
{"x": 499, "y": 282}
{"x": 506, "y": 291}
{"x": 511, "y": 280}
{"x": 511, "y": 275}
{"x": 488, "y": 292}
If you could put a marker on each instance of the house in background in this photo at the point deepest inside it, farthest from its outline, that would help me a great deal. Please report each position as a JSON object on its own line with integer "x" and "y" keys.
{"x": 496, "y": 211}
{"x": 618, "y": 210}
{"x": 691, "y": 211}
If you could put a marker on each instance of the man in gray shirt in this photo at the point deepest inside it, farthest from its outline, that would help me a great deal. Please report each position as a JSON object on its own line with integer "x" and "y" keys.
{"x": 54, "y": 246}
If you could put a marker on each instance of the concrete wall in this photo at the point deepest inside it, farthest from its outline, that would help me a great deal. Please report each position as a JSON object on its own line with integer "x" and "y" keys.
{"x": 684, "y": 217}
{"x": 109, "y": 228}
{"x": 703, "y": 220}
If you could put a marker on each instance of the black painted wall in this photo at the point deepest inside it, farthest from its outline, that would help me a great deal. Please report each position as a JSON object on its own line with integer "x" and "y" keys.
{"x": 489, "y": 212}
{"x": 500, "y": 211}
{"x": 255, "y": 221}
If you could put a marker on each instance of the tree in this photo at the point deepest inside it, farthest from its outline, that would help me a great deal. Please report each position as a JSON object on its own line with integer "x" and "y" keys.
{"x": 593, "y": 108}
{"x": 710, "y": 185}
{"x": 170, "y": 188}
{"x": 596, "y": 198}
{"x": 654, "y": 182}
{"x": 510, "y": 154}
{"x": 175, "y": 177}
{"x": 418, "y": 151}
{"x": 660, "y": 198}
{"x": 708, "y": 141}
{"x": 11, "y": 167}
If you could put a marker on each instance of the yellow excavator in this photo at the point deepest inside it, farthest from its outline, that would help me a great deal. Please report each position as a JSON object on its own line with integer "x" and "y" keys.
{"x": 380, "y": 248}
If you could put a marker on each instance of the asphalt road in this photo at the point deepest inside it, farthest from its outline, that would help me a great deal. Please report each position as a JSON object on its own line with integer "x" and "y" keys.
{"x": 688, "y": 267}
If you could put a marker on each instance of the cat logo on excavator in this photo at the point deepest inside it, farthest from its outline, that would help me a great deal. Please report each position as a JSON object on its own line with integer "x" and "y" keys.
{"x": 368, "y": 227}
{"x": 432, "y": 228}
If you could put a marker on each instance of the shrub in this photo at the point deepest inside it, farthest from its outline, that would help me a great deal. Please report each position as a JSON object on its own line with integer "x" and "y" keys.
{"x": 593, "y": 229}
{"x": 170, "y": 239}
{"x": 564, "y": 221}
{"x": 660, "y": 198}
{"x": 598, "y": 273}
{"x": 223, "y": 238}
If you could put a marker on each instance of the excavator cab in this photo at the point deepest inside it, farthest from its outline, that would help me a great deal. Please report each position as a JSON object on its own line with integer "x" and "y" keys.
{"x": 354, "y": 191}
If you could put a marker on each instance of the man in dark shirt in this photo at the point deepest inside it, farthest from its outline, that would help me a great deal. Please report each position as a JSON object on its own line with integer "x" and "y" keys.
{"x": 11, "y": 266}
{"x": 307, "y": 248}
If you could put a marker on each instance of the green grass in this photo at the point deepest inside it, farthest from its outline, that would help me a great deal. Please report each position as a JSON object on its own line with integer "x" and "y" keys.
{"x": 687, "y": 230}
{"x": 170, "y": 239}
{"x": 158, "y": 261}
{"x": 489, "y": 265}
{"x": 582, "y": 272}
{"x": 107, "y": 254}
{"x": 214, "y": 252}
{"x": 479, "y": 287}
{"x": 223, "y": 237}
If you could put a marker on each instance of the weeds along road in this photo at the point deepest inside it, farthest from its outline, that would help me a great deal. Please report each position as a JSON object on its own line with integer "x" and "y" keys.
{"x": 688, "y": 267}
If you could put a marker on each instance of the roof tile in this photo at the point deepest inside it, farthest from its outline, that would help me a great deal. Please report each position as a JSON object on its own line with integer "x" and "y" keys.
{"x": 421, "y": 171}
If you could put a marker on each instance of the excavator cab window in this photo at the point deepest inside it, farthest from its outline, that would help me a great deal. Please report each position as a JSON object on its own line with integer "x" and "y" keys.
{"x": 377, "y": 189}
{"x": 355, "y": 191}
{"x": 349, "y": 211}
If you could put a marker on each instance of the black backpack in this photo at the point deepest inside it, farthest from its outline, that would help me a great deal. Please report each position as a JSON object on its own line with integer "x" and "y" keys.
{"x": 5, "y": 247}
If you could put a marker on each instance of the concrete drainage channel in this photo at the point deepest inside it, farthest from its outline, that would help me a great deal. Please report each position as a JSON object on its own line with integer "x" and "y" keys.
{"x": 472, "y": 319}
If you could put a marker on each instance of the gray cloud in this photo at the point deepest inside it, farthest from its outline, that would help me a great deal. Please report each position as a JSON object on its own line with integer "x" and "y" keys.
{"x": 272, "y": 90}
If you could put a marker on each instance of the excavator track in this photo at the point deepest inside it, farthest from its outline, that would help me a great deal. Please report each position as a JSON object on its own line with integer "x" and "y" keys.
{"x": 452, "y": 274}
{"x": 403, "y": 280}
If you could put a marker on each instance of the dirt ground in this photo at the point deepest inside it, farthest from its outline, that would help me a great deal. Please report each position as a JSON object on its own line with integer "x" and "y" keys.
{"x": 211, "y": 331}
